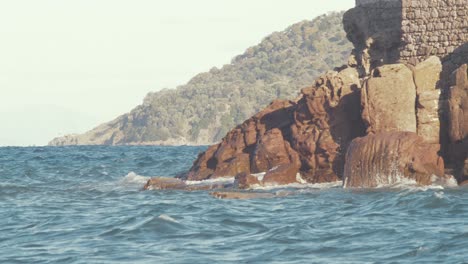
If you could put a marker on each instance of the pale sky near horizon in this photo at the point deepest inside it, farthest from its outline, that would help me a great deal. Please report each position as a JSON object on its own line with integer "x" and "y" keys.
{"x": 68, "y": 66}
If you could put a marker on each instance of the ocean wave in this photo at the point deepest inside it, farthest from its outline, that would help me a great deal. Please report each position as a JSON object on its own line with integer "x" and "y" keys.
{"x": 62, "y": 209}
{"x": 133, "y": 178}
{"x": 168, "y": 218}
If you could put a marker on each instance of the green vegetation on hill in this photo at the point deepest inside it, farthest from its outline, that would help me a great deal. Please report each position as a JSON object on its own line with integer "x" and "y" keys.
{"x": 210, "y": 104}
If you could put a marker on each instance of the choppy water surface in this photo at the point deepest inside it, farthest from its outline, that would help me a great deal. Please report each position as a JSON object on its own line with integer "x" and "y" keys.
{"x": 84, "y": 205}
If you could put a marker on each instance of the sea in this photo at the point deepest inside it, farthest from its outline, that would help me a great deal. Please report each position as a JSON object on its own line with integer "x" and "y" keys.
{"x": 86, "y": 205}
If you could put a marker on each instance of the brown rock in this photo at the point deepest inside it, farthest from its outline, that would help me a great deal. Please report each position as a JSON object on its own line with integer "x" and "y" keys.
{"x": 272, "y": 150}
{"x": 159, "y": 183}
{"x": 390, "y": 157}
{"x": 247, "y": 181}
{"x": 327, "y": 118}
{"x": 165, "y": 183}
{"x": 241, "y": 195}
{"x": 321, "y": 176}
{"x": 282, "y": 166}
{"x": 309, "y": 136}
{"x": 388, "y": 100}
{"x": 234, "y": 154}
{"x": 281, "y": 175}
{"x": 204, "y": 166}
{"x": 239, "y": 164}
{"x": 464, "y": 183}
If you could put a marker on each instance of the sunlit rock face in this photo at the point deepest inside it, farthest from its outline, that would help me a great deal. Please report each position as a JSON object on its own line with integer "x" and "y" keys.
{"x": 388, "y": 100}
{"x": 292, "y": 141}
{"x": 426, "y": 79}
{"x": 389, "y": 158}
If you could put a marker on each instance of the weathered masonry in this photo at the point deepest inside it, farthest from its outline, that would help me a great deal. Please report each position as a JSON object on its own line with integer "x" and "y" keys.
{"x": 390, "y": 31}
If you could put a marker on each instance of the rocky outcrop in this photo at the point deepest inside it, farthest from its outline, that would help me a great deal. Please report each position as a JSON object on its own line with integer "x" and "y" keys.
{"x": 393, "y": 157}
{"x": 325, "y": 121}
{"x": 239, "y": 152}
{"x": 305, "y": 141}
{"x": 301, "y": 141}
{"x": 426, "y": 79}
{"x": 162, "y": 183}
{"x": 165, "y": 183}
{"x": 458, "y": 122}
{"x": 388, "y": 100}
{"x": 380, "y": 120}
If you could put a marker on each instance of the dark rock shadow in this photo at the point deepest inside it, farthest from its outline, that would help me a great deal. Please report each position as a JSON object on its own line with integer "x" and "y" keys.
{"x": 450, "y": 63}
{"x": 375, "y": 31}
{"x": 454, "y": 153}
{"x": 349, "y": 126}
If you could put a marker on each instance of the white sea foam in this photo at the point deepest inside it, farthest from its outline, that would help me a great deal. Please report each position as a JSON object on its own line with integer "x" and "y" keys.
{"x": 298, "y": 185}
{"x": 439, "y": 195}
{"x": 133, "y": 178}
{"x": 438, "y": 183}
{"x": 259, "y": 176}
{"x": 299, "y": 179}
{"x": 224, "y": 180}
{"x": 167, "y": 218}
{"x": 398, "y": 182}
{"x": 447, "y": 181}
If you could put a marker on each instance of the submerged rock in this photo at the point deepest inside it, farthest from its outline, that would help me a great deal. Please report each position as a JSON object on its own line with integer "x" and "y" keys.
{"x": 393, "y": 157}
{"x": 241, "y": 195}
{"x": 164, "y": 183}
{"x": 161, "y": 183}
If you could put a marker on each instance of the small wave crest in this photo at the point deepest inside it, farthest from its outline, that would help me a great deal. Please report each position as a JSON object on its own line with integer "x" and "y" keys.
{"x": 400, "y": 183}
{"x": 298, "y": 185}
{"x": 167, "y": 218}
{"x": 439, "y": 195}
{"x": 133, "y": 178}
{"x": 412, "y": 185}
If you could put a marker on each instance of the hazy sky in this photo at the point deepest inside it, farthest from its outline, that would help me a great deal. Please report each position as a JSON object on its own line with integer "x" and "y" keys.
{"x": 67, "y": 66}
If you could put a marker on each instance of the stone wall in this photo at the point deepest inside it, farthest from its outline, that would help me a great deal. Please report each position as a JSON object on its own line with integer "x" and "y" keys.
{"x": 390, "y": 31}
{"x": 366, "y": 2}
{"x": 431, "y": 27}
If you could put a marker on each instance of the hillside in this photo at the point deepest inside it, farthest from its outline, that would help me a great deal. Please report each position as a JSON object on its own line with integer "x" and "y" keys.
{"x": 211, "y": 103}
